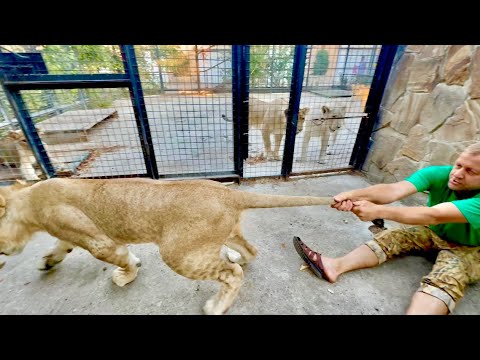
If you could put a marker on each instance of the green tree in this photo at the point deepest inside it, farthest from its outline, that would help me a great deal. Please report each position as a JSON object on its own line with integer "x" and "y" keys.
{"x": 73, "y": 59}
{"x": 320, "y": 66}
{"x": 84, "y": 59}
{"x": 175, "y": 60}
{"x": 271, "y": 65}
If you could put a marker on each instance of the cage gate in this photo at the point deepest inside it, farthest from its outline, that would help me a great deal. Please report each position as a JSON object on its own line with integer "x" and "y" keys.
{"x": 186, "y": 111}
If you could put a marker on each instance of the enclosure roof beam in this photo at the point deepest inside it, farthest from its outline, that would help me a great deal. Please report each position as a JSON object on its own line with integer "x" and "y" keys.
{"x": 79, "y": 81}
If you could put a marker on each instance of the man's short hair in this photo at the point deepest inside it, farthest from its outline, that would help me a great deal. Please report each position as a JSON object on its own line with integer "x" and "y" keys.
{"x": 473, "y": 149}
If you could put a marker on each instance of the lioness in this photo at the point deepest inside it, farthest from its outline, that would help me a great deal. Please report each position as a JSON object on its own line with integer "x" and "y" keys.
{"x": 270, "y": 117}
{"x": 189, "y": 220}
{"x": 15, "y": 151}
{"x": 327, "y": 125}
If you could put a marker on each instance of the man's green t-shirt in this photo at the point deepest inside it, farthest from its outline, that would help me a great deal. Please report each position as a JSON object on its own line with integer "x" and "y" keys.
{"x": 435, "y": 180}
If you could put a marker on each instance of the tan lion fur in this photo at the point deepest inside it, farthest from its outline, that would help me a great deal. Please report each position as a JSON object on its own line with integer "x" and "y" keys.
{"x": 189, "y": 220}
{"x": 15, "y": 151}
{"x": 326, "y": 127}
{"x": 270, "y": 117}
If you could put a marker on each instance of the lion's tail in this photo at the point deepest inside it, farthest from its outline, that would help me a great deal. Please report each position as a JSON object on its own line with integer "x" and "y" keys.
{"x": 253, "y": 200}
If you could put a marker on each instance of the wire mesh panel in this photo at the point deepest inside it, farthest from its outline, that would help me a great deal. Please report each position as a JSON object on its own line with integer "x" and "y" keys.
{"x": 9, "y": 138}
{"x": 335, "y": 89}
{"x": 96, "y": 137}
{"x": 74, "y": 59}
{"x": 86, "y": 132}
{"x": 15, "y": 155}
{"x": 184, "y": 102}
{"x": 269, "y": 82}
{"x": 189, "y": 104}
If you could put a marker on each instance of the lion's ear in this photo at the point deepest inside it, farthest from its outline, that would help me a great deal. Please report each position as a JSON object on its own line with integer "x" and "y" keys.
{"x": 14, "y": 134}
{"x": 3, "y": 203}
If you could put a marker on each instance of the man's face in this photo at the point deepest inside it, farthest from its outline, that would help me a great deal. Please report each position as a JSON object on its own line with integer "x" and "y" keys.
{"x": 465, "y": 174}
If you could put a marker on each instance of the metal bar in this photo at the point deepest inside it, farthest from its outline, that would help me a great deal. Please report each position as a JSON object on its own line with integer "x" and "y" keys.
{"x": 136, "y": 94}
{"x": 236, "y": 108}
{"x": 309, "y": 65}
{"x": 197, "y": 67}
{"x": 157, "y": 56}
{"x": 342, "y": 80}
{"x": 240, "y": 68}
{"x": 270, "y": 66}
{"x": 40, "y": 82}
{"x": 382, "y": 71}
{"x": 317, "y": 172}
{"x": 28, "y": 128}
{"x": 82, "y": 98}
{"x": 293, "y": 106}
{"x": 213, "y": 175}
{"x": 245, "y": 70}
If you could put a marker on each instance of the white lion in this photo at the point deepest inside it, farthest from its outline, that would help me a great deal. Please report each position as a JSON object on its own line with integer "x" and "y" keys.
{"x": 325, "y": 127}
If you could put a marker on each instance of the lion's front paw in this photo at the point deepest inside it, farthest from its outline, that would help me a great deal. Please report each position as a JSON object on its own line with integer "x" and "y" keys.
{"x": 211, "y": 307}
{"x": 122, "y": 277}
{"x": 48, "y": 262}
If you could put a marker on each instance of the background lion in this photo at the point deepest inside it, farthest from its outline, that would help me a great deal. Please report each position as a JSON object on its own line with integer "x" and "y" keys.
{"x": 15, "y": 152}
{"x": 325, "y": 127}
{"x": 270, "y": 117}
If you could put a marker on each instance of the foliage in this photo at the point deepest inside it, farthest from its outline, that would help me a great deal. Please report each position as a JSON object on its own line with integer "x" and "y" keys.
{"x": 89, "y": 59}
{"x": 320, "y": 65}
{"x": 174, "y": 60}
{"x": 271, "y": 65}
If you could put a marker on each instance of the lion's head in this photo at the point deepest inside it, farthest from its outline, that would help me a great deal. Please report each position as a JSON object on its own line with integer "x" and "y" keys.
{"x": 334, "y": 116}
{"x": 11, "y": 241}
{"x": 302, "y": 114}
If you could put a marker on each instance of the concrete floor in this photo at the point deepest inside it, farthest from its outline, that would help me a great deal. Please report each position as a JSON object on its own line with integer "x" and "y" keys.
{"x": 273, "y": 284}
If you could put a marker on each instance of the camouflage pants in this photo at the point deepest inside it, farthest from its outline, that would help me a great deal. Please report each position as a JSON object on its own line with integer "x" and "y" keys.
{"x": 456, "y": 265}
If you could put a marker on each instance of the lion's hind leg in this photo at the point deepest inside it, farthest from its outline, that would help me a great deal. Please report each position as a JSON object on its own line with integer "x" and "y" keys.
{"x": 203, "y": 262}
{"x": 230, "y": 276}
{"x": 237, "y": 242}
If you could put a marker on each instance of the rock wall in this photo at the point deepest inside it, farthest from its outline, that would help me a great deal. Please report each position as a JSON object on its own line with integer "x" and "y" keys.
{"x": 429, "y": 113}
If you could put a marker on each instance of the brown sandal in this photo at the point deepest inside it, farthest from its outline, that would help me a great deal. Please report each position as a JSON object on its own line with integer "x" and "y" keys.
{"x": 308, "y": 256}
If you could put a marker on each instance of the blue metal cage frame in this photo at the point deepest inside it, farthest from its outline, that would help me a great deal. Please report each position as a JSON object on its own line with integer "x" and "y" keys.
{"x": 27, "y": 71}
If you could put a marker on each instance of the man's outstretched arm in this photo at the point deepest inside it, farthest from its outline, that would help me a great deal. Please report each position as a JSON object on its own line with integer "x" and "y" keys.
{"x": 419, "y": 215}
{"x": 377, "y": 194}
